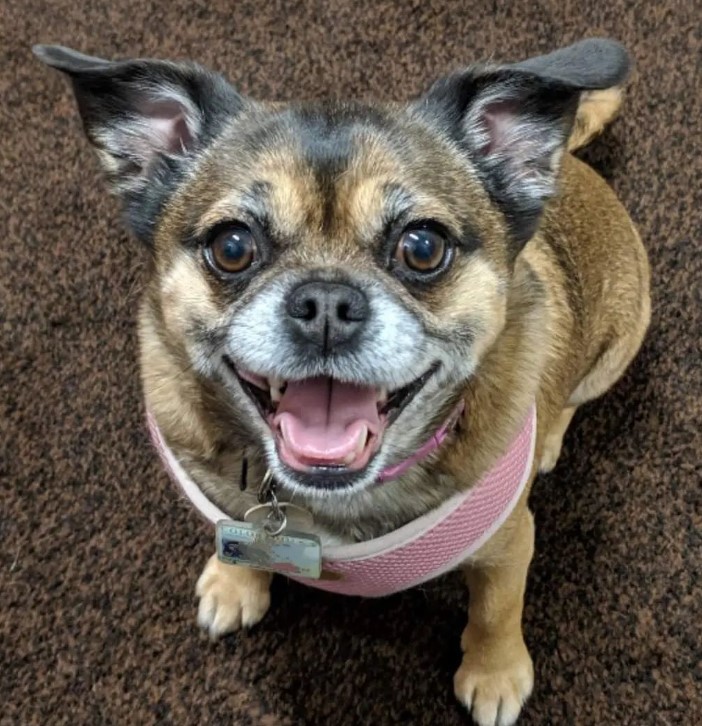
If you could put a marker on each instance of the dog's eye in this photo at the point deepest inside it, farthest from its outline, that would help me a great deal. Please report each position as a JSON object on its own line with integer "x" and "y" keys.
{"x": 232, "y": 249}
{"x": 422, "y": 250}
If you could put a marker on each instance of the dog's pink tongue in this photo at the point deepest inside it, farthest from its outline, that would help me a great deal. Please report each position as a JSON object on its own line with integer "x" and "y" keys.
{"x": 322, "y": 421}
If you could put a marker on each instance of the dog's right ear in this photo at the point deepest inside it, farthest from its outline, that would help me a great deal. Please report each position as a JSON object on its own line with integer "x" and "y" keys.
{"x": 513, "y": 121}
{"x": 148, "y": 119}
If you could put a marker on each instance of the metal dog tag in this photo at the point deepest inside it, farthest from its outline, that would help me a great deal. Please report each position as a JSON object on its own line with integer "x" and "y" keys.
{"x": 250, "y": 544}
{"x": 263, "y": 541}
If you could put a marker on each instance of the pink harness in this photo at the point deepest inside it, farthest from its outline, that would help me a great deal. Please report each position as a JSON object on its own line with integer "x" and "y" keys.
{"x": 421, "y": 550}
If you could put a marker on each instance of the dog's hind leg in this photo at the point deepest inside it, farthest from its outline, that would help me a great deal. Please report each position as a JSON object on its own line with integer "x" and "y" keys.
{"x": 625, "y": 335}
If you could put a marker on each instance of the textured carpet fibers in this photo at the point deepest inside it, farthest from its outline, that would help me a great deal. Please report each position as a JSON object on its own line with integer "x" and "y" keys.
{"x": 98, "y": 557}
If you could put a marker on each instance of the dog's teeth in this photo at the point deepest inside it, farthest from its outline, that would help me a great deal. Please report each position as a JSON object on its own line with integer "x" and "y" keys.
{"x": 382, "y": 395}
{"x": 276, "y": 384}
{"x": 360, "y": 445}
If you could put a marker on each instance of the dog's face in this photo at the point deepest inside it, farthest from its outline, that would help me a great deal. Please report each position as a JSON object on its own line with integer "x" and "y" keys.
{"x": 340, "y": 272}
{"x": 337, "y": 271}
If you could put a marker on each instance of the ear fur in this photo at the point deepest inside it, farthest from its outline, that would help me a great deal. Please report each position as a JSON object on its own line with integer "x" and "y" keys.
{"x": 148, "y": 120}
{"x": 514, "y": 121}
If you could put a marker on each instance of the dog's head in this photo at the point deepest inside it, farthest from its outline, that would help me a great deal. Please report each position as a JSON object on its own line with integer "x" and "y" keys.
{"x": 338, "y": 270}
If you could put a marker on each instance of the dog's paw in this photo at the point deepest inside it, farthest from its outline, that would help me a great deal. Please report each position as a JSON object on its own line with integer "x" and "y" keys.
{"x": 231, "y": 597}
{"x": 494, "y": 697}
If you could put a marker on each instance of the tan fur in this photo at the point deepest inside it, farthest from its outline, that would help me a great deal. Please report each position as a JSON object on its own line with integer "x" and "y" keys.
{"x": 554, "y": 440}
{"x": 521, "y": 291}
{"x": 496, "y": 667}
{"x": 560, "y": 328}
{"x": 496, "y": 675}
{"x": 595, "y": 111}
{"x": 231, "y": 597}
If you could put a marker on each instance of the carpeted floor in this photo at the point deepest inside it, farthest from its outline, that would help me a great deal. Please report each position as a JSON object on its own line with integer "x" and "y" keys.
{"x": 98, "y": 558}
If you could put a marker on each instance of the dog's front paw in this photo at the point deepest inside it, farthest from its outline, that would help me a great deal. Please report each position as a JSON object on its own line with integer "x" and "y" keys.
{"x": 231, "y": 597}
{"x": 494, "y": 695}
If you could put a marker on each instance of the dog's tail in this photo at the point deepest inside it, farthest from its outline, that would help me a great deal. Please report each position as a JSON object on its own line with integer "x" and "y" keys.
{"x": 595, "y": 111}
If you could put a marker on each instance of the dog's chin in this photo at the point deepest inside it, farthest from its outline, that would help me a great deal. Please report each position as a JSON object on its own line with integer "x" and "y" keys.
{"x": 321, "y": 480}
{"x": 326, "y": 435}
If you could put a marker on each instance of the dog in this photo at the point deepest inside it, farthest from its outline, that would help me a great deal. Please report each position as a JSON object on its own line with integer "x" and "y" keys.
{"x": 364, "y": 304}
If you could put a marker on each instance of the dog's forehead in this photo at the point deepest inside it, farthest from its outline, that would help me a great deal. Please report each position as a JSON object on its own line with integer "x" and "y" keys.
{"x": 328, "y": 170}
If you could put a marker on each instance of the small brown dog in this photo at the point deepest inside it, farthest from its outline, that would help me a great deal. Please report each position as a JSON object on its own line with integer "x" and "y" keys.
{"x": 329, "y": 282}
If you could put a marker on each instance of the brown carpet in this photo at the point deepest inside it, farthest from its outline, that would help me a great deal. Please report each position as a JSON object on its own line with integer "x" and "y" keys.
{"x": 98, "y": 558}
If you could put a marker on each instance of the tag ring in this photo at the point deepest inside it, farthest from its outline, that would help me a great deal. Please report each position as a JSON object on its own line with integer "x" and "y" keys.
{"x": 265, "y": 491}
{"x": 275, "y": 523}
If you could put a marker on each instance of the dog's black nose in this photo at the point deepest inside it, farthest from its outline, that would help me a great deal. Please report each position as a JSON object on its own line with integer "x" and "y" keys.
{"x": 328, "y": 315}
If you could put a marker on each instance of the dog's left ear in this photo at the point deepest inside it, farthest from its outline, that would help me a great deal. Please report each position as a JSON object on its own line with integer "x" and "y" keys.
{"x": 514, "y": 121}
{"x": 147, "y": 119}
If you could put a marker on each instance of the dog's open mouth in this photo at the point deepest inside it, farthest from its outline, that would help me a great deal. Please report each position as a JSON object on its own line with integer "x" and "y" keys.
{"x": 323, "y": 423}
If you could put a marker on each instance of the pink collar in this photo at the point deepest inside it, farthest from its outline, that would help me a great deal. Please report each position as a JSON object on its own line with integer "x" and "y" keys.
{"x": 425, "y": 547}
{"x": 434, "y": 441}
